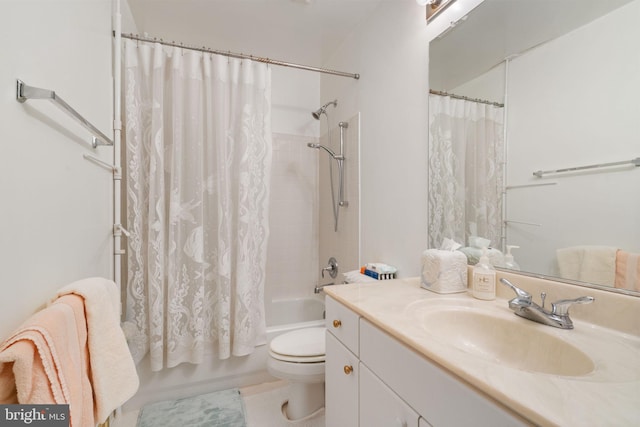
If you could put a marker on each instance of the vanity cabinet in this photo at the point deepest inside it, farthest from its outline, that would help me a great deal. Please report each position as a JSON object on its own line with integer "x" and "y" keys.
{"x": 380, "y": 406}
{"x": 341, "y": 365}
{"x": 372, "y": 379}
{"x": 342, "y": 372}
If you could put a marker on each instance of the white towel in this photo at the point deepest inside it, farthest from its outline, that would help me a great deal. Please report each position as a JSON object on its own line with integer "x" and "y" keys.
{"x": 113, "y": 373}
{"x": 356, "y": 277}
{"x": 592, "y": 264}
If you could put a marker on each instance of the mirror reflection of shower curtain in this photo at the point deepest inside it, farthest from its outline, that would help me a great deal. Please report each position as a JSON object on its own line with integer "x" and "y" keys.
{"x": 466, "y": 165}
{"x": 198, "y": 165}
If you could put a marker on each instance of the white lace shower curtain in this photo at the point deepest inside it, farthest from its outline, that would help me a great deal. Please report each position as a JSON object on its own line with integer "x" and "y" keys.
{"x": 198, "y": 160}
{"x": 466, "y": 164}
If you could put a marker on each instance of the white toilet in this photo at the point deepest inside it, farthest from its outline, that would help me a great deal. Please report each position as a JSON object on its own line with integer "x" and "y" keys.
{"x": 298, "y": 357}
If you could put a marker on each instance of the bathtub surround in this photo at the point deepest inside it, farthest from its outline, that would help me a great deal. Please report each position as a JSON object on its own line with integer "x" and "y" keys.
{"x": 343, "y": 244}
{"x": 292, "y": 256}
{"x": 198, "y": 157}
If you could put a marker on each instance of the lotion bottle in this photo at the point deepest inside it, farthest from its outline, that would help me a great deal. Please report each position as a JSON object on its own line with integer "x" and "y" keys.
{"x": 484, "y": 278}
{"x": 509, "y": 262}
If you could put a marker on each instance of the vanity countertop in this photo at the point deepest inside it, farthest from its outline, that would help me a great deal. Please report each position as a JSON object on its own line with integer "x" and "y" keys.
{"x": 607, "y": 396}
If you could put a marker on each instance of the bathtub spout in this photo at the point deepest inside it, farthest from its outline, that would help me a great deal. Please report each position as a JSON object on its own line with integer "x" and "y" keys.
{"x": 318, "y": 288}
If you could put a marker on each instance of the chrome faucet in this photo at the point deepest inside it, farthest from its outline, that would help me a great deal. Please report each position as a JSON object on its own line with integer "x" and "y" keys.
{"x": 318, "y": 288}
{"x": 558, "y": 317}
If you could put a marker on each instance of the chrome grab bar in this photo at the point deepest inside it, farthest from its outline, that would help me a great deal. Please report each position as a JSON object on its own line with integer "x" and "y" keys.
{"x": 24, "y": 92}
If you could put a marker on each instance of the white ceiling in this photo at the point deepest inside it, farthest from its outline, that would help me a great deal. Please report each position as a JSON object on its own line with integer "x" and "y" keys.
{"x": 497, "y": 29}
{"x": 299, "y": 31}
{"x": 309, "y": 31}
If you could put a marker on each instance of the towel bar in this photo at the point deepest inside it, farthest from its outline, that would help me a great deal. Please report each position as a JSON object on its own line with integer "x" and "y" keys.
{"x": 24, "y": 92}
{"x": 635, "y": 162}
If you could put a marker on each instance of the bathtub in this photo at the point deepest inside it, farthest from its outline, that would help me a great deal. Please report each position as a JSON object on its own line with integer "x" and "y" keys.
{"x": 187, "y": 380}
{"x": 291, "y": 314}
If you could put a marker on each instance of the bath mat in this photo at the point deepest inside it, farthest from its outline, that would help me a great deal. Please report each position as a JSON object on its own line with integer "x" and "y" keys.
{"x": 219, "y": 409}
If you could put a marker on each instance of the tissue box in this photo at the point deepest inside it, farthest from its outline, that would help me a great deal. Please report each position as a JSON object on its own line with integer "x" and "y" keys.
{"x": 444, "y": 272}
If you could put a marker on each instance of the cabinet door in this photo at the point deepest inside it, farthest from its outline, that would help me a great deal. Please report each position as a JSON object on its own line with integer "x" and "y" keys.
{"x": 441, "y": 398}
{"x": 341, "y": 385}
{"x": 380, "y": 406}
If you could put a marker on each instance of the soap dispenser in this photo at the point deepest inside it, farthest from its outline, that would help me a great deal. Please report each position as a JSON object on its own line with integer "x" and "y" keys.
{"x": 509, "y": 262}
{"x": 484, "y": 278}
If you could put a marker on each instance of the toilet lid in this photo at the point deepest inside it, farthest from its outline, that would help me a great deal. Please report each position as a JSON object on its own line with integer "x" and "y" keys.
{"x": 307, "y": 342}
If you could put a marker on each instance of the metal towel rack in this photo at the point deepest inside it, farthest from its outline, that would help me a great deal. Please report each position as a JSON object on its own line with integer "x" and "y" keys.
{"x": 635, "y": 162}
{"x": 24, "y": 92}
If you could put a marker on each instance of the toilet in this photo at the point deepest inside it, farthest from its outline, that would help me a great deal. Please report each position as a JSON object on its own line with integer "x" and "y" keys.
{"x": 298, "y": 357}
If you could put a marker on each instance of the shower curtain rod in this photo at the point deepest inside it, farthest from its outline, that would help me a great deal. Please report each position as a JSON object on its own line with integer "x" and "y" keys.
{"x": 240, "y": 55}
{"x": 481, "y": 101}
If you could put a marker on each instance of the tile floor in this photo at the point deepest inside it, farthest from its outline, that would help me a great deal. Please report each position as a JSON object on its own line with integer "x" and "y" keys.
{"x": 263, "y": 406}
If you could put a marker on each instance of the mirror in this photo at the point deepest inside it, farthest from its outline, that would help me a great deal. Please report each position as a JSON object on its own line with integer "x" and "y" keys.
{"x": 568, "y": 73}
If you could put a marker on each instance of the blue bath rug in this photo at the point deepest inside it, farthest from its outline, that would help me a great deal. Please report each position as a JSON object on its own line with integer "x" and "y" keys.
{"x": 218, "y": 409}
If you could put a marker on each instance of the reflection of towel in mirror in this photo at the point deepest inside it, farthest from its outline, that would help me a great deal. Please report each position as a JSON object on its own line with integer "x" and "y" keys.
{"x": 592, "y": 264}
{"x": 627, "y": 271}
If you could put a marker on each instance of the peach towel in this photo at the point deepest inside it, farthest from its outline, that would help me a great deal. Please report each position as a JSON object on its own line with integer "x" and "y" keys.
{"x": 46, "y": 361}
{"x": 593, "y": 264}
{"x": 113, "y": 372}
{"x": 627, "y": 271}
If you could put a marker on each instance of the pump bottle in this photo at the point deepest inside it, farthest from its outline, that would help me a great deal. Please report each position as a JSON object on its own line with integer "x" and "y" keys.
{"x": 484, "y": 278}
{"x": 509, "y": 262}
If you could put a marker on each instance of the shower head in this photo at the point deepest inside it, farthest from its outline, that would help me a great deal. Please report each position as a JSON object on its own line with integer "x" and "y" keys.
{"x": 316, "y": 114}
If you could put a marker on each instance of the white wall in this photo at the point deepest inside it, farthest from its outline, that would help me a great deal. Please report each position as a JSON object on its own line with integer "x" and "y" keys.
{"x": 489, "y": 86}
{"x": 573, "y": 102}
{"x": 56, "y": 219}
{"x": 390, "y": 51}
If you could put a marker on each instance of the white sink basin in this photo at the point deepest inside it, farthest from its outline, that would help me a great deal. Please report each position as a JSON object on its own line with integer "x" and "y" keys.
{"x": 501, "y": 338}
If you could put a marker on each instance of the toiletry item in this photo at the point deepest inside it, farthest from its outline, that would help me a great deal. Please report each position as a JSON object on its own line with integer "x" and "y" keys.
{"x": 474, "y": 251}
{"x": 376, "y": 275}
{"x": 444, "y": 271}
{"x": 483, "y": 284}
{"x": 509, "y": 262}
{"x": 381, "y": 268}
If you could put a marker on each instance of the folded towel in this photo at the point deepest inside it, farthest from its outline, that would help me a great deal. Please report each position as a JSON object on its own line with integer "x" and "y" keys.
{"x": 444, "y": 272}
{"x": 45, "y": 361}
{"x": 113, "y": 372}
{"x": 592, "y": 264}
{"x": 356, "y": 277}
{"x": 627, "y": 271}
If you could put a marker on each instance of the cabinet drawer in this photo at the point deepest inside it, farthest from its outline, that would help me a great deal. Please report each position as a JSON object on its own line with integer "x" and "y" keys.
{"x": 343, "y": 324}
{"x": 439, "y": 397}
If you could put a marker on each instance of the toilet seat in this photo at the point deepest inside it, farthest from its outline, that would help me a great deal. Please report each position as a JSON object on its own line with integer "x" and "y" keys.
{"x": 301, "y": 346}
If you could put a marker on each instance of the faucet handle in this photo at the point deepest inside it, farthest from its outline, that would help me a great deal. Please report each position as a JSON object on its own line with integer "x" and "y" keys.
{"x": 521, "y": 293}
{"x": 332, "y": 268}
{"x": 561, "y": 307}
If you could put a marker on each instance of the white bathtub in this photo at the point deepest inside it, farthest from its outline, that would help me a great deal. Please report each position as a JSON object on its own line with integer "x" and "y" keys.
{"x": 291, "y": 314}
{"x": 187, "y": 380}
